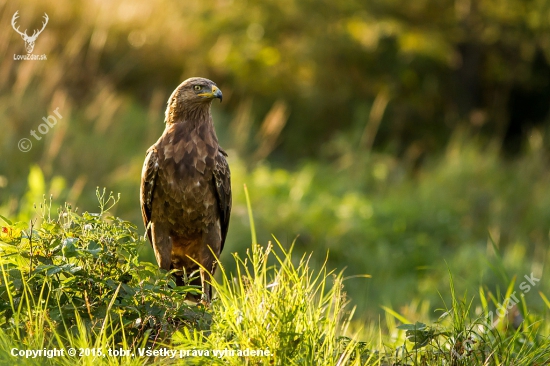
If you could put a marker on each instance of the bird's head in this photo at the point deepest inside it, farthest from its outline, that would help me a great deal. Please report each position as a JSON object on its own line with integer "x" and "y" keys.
{"x": 193, "y": 94}
{"x": 197, "y": 90}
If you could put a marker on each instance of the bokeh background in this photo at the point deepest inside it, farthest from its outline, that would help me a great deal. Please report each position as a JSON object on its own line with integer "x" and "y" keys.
{"x": 406, "y": 138}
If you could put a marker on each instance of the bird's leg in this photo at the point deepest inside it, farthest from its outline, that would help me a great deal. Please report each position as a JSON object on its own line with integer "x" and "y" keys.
{"x": 207, "y": 255}
{"x": 206, "y": 289}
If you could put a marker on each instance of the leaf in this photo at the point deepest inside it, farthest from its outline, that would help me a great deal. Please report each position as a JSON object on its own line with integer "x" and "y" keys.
{"x": 20, "y": 225}
{"x": 73, "y": 269}
{"x": 50, "y": 269}
{"x": 416, "y": 326}
{"x": 6, "y": 220}
{"x": 69, "y": 281}
{"x": 418, "y": 333}
{"x": 93, "y": 248}
{"x": 127, "y": 289}
{"x": 50, "y": 227}
{"x": 68, "y": 249}
{"x": 14, "y": 273}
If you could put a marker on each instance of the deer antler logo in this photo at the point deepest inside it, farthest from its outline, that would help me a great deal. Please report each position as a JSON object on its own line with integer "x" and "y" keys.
{"x": 29, "y": 41}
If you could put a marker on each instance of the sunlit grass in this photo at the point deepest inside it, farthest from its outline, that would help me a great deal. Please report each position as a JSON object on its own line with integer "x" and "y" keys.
{"x": 275, "y": 309}
{"x": 375, "y": 213}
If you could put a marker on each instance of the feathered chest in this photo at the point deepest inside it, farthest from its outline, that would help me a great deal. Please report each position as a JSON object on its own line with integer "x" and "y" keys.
{"x": 186, "y": 153}
{"x": 185, "y": 182}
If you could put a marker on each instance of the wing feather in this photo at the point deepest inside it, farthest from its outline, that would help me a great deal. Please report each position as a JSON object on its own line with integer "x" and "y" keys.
{"x": 222, "y": 182}
{"x": 148, "y": 179}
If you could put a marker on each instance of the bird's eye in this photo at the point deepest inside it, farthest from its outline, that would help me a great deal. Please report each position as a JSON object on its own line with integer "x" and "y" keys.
{"x": 197, "y": 87}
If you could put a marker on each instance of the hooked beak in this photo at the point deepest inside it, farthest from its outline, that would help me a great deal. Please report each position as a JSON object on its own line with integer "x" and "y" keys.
{"x": 217, "y": 93}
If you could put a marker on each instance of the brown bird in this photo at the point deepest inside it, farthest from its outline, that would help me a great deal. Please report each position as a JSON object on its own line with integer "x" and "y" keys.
{"x": 186, "y": 187}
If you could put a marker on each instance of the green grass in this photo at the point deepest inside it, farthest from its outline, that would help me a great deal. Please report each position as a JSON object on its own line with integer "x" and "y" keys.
{"x": 75, "y": 280}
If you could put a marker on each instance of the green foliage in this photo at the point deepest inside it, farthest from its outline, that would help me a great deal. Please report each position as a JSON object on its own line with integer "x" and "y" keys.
{"x": 75, "y": 270}
{"x": 76, "y": 281}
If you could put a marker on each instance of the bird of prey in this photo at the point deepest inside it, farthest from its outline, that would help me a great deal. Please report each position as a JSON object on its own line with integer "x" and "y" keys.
{"x": 186, "y": 187}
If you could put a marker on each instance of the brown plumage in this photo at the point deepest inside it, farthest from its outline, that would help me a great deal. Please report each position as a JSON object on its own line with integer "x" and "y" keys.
{"x": 185, "y": 185}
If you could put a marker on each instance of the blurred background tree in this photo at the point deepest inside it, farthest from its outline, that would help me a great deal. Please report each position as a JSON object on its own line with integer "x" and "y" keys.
{"x": 396, "y": 134}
